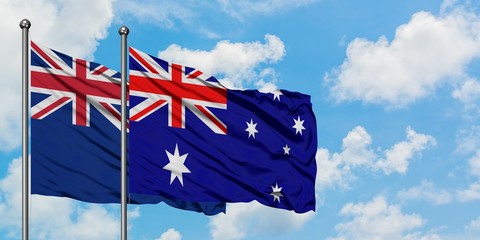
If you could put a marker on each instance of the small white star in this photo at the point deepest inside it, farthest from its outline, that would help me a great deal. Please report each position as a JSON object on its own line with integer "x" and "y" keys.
{"x": 176, "y": 165}
{"x": 251, "y": 128}
{"x": 276, "y": 192}
{"x": 276, "y": 94}
{"x": 286, "y": 150}
{"x": 298, "y": 125}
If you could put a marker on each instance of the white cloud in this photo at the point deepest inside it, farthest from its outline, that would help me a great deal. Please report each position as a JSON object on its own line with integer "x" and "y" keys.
{"x": 170, "y": 234}
{"x": 472, "y": 193}
{"x": 90, "y": 222}
{"x": 468, "y": 140}
{"x": 448, "y": 5}
{"x": 473, "y": 226}
{"x": 244, "y": 219}
{"x": 420, "y": 236}
{"x": 471, "y": 231}
{"x": 67, "y": 26}
{"x": 242, "y": 9}
{"x": 474, "y": 163}
{"x": 425, "y": 191}
{"x": 468, "y": 93}
{"x": 337, "y": 168}
{"x": 53, "y": 217}
{"x": 398, "y": 157}
{"x": 334, "y": 171}
{"x": 134, "y": 213}
{"x": 243, "y": 68}
{"x": 377, "y": 220}
{"x": 11, "y": 196}
{"x": 355, "y": 150}
{"x": 411, "y": 66}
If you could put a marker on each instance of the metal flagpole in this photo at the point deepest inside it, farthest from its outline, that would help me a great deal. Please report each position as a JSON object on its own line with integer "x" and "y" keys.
{"x": 25, "y": 25}
{"x": 123, "y": 31}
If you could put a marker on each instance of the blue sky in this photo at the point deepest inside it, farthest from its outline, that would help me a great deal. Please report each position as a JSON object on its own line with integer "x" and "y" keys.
{"x": 395, "y": 89}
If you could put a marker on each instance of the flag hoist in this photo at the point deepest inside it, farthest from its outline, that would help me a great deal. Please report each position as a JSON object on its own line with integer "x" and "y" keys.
{"x": 25, "y": 26}
{"x": 123, "y": 31}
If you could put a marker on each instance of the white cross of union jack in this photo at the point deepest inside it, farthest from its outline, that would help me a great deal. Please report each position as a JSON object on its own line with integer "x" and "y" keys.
{"x": 78, "y": 81}
{"x": 177, "y": 87}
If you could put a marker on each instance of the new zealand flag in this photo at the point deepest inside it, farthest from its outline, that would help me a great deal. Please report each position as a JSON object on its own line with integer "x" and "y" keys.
{"x": 195, "y": 140}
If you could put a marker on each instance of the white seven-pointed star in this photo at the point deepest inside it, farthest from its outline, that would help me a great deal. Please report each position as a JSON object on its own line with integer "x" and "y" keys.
{"x": 176, "y": 165}
{"x": 251, "y": 128}
{"x": 276, "y": 94}
{"x": 298, "y": 125}
{"x": 286, "y": 150}
{"x": 276, "y": 192}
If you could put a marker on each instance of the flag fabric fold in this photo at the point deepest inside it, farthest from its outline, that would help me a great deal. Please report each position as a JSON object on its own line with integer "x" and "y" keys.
{"x": 195, "y": 140}
{"x": 75, "y": 132}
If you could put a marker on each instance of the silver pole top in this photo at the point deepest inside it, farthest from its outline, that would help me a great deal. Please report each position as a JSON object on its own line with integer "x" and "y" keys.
{"x": 123, "y": 30}
{"x": 26, "y": 24}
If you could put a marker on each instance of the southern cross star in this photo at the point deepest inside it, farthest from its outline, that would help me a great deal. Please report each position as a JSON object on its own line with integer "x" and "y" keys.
{"x": 276, "y": 95}
{"x": 251, "y": 128}
{"x": 298, "y": 125}
{"x": 176, "y": 165}
{"x": 286, "y": 150}
{"x": 276, "y": 192}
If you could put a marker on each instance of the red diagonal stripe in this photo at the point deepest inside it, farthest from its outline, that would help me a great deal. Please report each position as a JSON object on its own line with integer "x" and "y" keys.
{"x": 145, "y": 63}
{"x": 50, "y": 107}
{"x": 195, "y": 74}
{"x": 45, "y": 56}
{"x": 113, "y": 111}
{"x": 212, "y": 118}
{"x": 147, "y": 110}
{"x": 100, "y": 71}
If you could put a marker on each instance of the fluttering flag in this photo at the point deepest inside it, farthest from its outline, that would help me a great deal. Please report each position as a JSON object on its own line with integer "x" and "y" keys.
{"x": 75, "y": 132}
{"x": 193, "y": 139}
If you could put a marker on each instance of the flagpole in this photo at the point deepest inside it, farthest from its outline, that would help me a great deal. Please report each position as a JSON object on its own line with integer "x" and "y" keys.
{"x": 123, "y": 31}
{"x": 25, "y": 26}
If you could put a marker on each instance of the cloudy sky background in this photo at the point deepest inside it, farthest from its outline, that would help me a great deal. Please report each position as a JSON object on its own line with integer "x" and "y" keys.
{"x": 395, "y": 88}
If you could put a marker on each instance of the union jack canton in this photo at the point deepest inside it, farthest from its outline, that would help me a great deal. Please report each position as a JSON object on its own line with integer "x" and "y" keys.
{"x": 178, "y": 87}
{"x": 66, "y": 80}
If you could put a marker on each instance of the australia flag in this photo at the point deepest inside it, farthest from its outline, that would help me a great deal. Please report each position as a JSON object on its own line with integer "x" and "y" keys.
{"x": 75, "y": 132}
{"x": 193, "y": 139}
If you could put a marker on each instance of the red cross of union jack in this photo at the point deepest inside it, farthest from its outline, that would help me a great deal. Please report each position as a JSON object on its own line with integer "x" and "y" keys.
{"x": 78, "y": 81}
{"x": 177, "y": 87}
